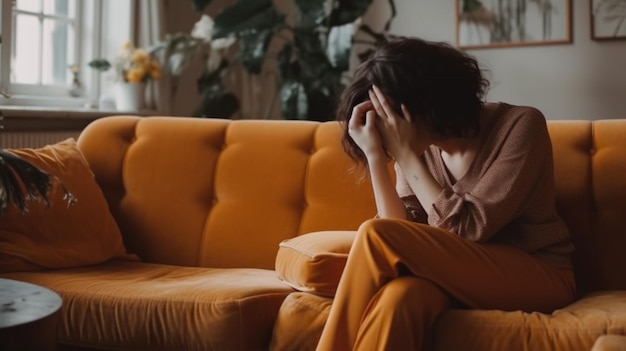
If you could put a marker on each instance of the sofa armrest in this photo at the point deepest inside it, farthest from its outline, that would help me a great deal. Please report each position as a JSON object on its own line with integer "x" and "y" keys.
{"x": 610, "y": 343}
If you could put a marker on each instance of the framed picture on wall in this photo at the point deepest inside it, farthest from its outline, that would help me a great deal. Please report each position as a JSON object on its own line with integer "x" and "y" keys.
{"x": 506, "y": 23}
{"x": 608, "y": 19}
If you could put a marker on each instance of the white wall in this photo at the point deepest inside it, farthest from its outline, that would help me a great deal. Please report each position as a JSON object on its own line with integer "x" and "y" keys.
{"x": 582, "y": 80}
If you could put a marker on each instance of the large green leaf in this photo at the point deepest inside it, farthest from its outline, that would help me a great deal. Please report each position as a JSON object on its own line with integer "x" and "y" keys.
{"x": 311, "y": 57}
{"x": 255, "y": 50}
{"x": 220, "y": 105}
{"x": 200, "y": 5}
{"x": 211, "y": 82}
{"x": 180, "y": 49}
{"x": 247, "y": 17}
{"x": 284, "y": 62}
{"x": 311, "y": 13}
{"x": 340, "y": 46}
{"x": 347, "y": 11}
{"x": 215, "y": 102}
{"x": 101, "y": 65}
{"x": 294, "y": 104}
{"x": 320, "y": 106}
{"x": 322, "y": 93}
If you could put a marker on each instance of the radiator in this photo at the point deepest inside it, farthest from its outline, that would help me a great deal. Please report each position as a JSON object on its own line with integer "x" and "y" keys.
{"x": 33, "y": 139}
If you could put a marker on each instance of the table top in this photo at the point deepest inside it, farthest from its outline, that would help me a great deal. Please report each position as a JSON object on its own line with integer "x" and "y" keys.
{"x": 22, "y": 302}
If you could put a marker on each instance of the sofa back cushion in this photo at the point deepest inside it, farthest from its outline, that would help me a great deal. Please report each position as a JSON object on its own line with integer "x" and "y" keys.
{"x": 590, "y": 164}
{"x": 222, "y": 193}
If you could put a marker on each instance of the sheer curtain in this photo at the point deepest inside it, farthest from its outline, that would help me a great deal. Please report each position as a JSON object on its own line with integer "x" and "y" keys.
{"x": 148, "y": 30}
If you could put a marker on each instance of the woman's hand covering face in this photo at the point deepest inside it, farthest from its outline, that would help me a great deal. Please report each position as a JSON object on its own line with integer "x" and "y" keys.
{"x": 398, "y": 134}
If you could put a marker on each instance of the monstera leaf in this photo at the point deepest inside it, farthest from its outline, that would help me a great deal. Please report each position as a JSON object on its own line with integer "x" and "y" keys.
{"x": 311, "y": 13}
{"x": 340, "y": 46}
{"x": 247, "y": 17}
{"x": 219, "y": 105}
{"x": 215, "y": 101}
{"x": 310, "y": 81}
{"x": 317, "y": 45}
{"x": 347, "y": 11}
{"x": 294, "y": 103}
{"x": 200, "y": 5}
{"x": 255, "y": 49}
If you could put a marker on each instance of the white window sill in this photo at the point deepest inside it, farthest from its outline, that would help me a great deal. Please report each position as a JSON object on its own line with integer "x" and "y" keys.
{"x": 12, "y": 111}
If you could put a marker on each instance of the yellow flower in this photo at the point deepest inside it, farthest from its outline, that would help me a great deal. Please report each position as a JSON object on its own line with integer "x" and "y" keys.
{"x": 140, "y": 57}
{"x": 133, "y": 65}
{"x": 154, "y": 70}
{"x": 135, "y": 74}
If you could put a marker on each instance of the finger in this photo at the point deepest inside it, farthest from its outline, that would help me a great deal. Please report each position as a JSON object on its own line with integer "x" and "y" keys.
{"x": 385, "y": 106}
{"x": 370, "y": 118}
{"x": 405, "y": 113}
{"x": 358, "y": 114}
{"x": 376, "y": 103}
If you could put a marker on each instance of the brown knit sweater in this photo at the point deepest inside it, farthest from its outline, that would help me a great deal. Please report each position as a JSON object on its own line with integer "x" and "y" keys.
{"x": 507, "y": 195}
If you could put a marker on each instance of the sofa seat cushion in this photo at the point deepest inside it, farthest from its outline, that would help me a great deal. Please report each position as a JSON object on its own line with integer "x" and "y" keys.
{"x": 573, "y": 328}
{"x": 610, "y": 342}
{"x": 300, "y": 322}
{"x": 143, "y": 306}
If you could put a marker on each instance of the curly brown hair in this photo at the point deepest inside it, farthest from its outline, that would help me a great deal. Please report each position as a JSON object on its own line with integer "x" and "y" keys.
{"x": 443, "y": 88}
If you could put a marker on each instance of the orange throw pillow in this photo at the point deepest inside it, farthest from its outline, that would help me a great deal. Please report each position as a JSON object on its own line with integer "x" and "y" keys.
{"x": 314, "y": 262}
{"x": 60, "y": 236}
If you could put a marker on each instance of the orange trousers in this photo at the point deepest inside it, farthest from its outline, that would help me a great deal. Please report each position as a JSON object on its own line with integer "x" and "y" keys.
{"x": 400, "y": 275}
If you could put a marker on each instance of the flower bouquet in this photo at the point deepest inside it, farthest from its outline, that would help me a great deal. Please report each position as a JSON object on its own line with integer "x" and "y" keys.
{"x": 133, "y": 68}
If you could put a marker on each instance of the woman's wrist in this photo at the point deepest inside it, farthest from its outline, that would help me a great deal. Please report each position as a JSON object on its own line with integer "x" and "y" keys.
{"x": 376, "y": 156}
{"x": 406, "y": 157}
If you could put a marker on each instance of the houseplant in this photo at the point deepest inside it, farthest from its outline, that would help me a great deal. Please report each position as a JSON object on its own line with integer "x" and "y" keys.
{"x": 315, "y": 41}
{"x": 132, "y": 68}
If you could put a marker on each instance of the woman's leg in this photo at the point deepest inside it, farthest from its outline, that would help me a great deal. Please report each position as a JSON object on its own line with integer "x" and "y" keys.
{"x": 400, "y": 315}
{"x": 484, "y": 276}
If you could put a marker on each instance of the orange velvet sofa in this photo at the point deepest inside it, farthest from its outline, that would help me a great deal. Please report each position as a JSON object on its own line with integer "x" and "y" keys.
{"x": 205, "y": 205}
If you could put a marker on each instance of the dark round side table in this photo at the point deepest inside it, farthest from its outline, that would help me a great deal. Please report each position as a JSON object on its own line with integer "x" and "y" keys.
{"x": 28, "y": 316}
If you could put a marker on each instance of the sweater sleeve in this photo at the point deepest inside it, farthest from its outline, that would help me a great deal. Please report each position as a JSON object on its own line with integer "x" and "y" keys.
{"x": 518, "y": 164}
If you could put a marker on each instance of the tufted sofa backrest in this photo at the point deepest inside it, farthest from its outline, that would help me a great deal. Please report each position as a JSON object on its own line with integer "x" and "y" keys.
{"x": 590, "y": 176}
{"x": 222, "y": 193}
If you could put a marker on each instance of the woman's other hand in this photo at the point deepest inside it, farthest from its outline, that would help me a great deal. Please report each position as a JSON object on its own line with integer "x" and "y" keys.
{"x": 362, "y": 129}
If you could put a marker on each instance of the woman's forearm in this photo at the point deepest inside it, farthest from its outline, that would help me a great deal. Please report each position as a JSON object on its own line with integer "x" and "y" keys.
{"x": 388, "y": 202}
{"x": 420, "y": 180}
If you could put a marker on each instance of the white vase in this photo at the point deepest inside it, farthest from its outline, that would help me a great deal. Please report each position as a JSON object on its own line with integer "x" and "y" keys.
{"x": 129, "y": 96}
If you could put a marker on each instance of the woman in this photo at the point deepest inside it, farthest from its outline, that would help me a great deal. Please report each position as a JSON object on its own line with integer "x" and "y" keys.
{"x": 471, "y": 219}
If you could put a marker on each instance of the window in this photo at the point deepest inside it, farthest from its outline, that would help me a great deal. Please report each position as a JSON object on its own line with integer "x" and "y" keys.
{"x": 42, "y": 39}
{"x": 44, "y": 45}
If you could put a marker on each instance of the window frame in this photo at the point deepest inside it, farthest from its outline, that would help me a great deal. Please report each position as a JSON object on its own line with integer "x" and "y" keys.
{"x": 90, "y": 34}
{"x": 57, "y": 90}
